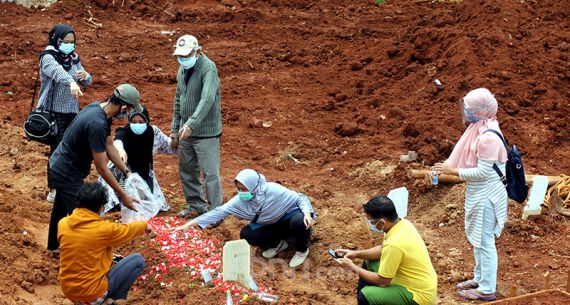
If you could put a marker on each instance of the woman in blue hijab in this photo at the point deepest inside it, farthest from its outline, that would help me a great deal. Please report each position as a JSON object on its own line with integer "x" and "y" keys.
{"x": 276, "y": 214}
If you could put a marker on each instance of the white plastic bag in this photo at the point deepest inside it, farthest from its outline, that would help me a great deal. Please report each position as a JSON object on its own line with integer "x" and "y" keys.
{"x": 399, "y": 197}
{"x": 147, "y": 207}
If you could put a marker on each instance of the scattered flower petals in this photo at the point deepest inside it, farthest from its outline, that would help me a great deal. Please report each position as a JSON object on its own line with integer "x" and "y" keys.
{"x": 192, "y": 251}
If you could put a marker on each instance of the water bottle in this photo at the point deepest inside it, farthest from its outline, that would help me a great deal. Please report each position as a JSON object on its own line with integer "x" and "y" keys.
{"x": 266, "y": 297}
{"x": 229, "y": 299}
{"x": 434, "y": 178}
{"x": 207, "y": 277}
{"x": 252, "y": 284}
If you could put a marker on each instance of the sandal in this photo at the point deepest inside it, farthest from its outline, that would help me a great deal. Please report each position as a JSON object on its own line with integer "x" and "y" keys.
{"x": 476, "y": 295}
{"x": 469, "y": 284}
{"x": 188, "y": 213}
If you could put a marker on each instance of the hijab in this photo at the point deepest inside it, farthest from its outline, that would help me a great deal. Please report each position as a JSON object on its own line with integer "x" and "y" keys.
{"x": 138, "y": 147}
{"x": 255, "y": 182}
{"x": 55, "y": 38}
{"x": 473, "y": 144}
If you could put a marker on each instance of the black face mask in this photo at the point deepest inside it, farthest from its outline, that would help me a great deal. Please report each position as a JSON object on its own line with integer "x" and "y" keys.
{"x": 121, "y": 115}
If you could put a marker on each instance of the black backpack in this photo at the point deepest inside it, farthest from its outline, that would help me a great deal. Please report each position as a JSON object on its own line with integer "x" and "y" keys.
{"x": 515, "y": 180}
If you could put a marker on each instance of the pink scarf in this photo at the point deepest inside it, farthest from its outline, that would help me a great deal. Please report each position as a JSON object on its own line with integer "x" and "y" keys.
{"x": 473, "y": 144}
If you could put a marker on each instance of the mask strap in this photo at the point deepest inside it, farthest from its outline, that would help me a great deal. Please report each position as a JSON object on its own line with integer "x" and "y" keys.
{"x": 258, "y": 181}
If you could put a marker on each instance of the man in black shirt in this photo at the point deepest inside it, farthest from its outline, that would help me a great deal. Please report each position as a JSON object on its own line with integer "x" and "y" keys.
{"x": 88, "y": 139}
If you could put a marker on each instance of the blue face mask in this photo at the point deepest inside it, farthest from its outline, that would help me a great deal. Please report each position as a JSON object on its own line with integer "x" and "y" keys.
{"x": 66, "y": 48}
{"x": 245, "y": 196}
{"x": 372, "y": 225}
{"x": 470, "y": 116}
{"x": 138, "y": 128}
{"x": 187, "y": 62}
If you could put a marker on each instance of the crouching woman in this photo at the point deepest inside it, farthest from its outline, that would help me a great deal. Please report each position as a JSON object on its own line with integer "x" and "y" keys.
{"x": 275, "y": 214}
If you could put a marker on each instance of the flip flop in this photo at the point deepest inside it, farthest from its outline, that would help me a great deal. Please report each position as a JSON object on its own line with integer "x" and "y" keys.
{"x": 188, "y": 213}
{"x": 476, "y": 295}
{"x": 469, "y": 284}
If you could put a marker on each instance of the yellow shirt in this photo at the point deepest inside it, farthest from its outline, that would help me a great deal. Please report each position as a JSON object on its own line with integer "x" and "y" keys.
{"x": 86, "y": 252}
{"x": 406, "y": 261}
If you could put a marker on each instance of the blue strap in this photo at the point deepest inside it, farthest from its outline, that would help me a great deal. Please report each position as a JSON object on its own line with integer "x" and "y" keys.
{"x": 495, "y": 167}
{"x": 500, "y": 136}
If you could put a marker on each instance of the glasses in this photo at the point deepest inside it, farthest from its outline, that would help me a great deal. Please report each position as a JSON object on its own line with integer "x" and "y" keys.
{"x": 365, "y": 220}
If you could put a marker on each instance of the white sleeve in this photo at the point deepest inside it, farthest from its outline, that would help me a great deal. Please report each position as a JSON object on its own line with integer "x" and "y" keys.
{"x": 118, "y": 144}
{"x": 162, "y": 142}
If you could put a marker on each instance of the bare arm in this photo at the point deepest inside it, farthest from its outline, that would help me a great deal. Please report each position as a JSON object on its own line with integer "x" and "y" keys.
{"x": 372, "y": 254}
{"x": 100, "y": 161}
{"x": 371, "y": 277}
{"x": 114, "y": 155}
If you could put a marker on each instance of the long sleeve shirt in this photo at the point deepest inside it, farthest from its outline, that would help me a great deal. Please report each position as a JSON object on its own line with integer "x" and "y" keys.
{"x": 277, "y": 203}
{"x": 483, "y": 184}
{"x": 86, "y": 252}
{"x": 198, "y": 102}
{"x": 54, "y": 93}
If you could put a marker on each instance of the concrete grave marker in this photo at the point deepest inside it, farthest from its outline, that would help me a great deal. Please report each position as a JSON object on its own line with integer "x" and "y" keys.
{"x": 237, "y": 263}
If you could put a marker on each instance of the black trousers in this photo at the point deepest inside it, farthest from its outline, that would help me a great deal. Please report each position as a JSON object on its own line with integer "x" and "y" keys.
{"x": 269, "y": 236}
{"x": 64, "y": 204}
{"x": 63, "y": 120}
{"x": 361, "y": 284}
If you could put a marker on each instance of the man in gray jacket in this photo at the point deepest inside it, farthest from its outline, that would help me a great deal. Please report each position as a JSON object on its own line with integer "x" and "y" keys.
{"x": 197, "y": 126}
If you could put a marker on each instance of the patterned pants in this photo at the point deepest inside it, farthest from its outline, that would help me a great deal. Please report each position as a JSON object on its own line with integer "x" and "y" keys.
{"x": 63, "y": 120}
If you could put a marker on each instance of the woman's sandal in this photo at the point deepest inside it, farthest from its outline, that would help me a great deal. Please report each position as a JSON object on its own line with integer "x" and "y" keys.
{"x": 476, "y": 295}
{"x": 469, "y": 284}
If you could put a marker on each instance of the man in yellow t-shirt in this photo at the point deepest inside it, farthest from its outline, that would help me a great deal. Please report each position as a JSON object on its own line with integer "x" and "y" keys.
{"x": 397, "y": 272}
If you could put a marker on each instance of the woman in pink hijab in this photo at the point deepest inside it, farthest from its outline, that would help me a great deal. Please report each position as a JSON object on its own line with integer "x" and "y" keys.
{"x": 472, "y": 159}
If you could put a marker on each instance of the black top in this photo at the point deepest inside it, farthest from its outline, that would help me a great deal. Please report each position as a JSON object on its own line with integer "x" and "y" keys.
{"x": 138, "y": 147}
{"x": 88, "y": 132}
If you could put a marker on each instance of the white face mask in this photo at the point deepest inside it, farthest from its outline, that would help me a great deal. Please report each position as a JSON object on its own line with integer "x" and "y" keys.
{"x": 372, "y": 225}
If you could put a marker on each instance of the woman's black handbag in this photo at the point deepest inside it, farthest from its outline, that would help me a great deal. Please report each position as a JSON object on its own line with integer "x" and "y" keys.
{"x": 40, "y": 124}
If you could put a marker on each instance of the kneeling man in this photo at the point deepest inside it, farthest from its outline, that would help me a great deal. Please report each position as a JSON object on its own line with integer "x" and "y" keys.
{"x": 86, "y": 252}
{"x": 397, "y": 272}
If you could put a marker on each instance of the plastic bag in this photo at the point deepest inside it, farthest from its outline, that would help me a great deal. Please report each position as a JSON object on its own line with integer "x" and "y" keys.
{"x": 147, "y": 207}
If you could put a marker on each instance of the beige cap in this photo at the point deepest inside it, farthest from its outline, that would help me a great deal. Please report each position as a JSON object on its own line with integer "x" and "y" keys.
{"x": 185, "y": 45}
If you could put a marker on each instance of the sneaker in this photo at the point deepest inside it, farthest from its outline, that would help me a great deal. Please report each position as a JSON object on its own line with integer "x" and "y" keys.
{"x": 54, "y": 253}
{"x": 271, "y": 252}
{"x": 51, "y": 196}
{"x": 299, "y": 258}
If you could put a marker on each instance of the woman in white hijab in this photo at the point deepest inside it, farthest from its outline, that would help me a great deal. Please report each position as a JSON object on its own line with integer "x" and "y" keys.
{"x": 275, "y": 214}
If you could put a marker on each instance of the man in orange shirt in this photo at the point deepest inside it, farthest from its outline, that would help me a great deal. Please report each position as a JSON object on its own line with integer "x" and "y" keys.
{"x": 86, "y": 252}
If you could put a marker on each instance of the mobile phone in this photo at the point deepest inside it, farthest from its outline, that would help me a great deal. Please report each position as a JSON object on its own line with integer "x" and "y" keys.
{"x": 334, "y": 254}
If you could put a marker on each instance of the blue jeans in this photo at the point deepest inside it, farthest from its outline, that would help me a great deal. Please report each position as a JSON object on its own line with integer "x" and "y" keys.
{"x": 123, "y": 275}
{"x": 486, "y": 260}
